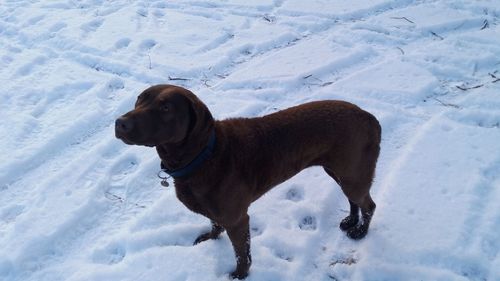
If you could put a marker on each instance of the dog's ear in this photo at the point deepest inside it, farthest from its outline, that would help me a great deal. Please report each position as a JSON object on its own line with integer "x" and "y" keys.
{"x": 192, "y": 117}
{"x": 200, "y": 119}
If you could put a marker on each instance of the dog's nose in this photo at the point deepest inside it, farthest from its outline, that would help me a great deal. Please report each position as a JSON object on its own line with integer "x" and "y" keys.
{"x": 124, "y": 125}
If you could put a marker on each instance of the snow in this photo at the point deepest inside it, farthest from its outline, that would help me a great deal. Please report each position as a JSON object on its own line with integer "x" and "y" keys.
{"x": 77, "y": 204}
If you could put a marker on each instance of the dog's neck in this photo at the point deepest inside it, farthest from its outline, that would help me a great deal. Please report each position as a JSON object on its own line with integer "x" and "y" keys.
{"x": 177, "y": 156}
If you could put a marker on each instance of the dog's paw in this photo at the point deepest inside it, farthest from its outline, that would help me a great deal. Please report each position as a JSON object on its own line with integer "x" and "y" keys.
{"x": 208, "y": 235}
{"x": 238, "y": 275}
{"x": 348, "y": 222}
{"x": 203, "y": 237}
{"x": 357, "y": 232}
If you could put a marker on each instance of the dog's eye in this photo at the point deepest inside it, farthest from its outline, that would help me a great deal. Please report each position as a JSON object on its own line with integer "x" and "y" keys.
{"x": 164, "y": 107}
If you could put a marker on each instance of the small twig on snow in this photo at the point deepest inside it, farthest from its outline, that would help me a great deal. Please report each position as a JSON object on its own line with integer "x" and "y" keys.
{"x": 347, "y": 261}
{"x": 269, "y": 18}
{"x": 402, "y": 51}
{"x": 116, "y": 197}
{"x": 402, "y": 18}
{"x": 437, "y": 35}
{"x": 321, "y": 84}
{"x": 177, "y": 78}
{"x": 494, "y": 77}
{"x": 205, "y": 82}
{"x": 150, "y": 67}
{"x": 463, "y": 88}
{"x": 332, "y": 277}
{"x": 446, "y": 104}
{"x": 486, "y": 24}
{"x": 492, "y": 74}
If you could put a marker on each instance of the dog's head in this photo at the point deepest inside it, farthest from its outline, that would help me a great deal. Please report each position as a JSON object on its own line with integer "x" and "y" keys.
{"x": 163, "y": 114}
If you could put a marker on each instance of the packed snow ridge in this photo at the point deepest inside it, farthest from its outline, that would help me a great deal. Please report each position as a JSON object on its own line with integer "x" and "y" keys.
{"x": 77, "y": 204}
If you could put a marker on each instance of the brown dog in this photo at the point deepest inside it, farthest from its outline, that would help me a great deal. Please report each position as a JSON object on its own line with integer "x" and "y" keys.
{"x": 221, "y": 167}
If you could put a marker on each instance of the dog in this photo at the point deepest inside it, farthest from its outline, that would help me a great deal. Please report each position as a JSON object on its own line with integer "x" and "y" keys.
{"x": 220, "y": 167}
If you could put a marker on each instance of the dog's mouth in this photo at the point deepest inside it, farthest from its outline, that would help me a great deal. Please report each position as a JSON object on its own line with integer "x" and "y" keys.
{"x": 123, "y": 139}
{"x": 129, "y": 142}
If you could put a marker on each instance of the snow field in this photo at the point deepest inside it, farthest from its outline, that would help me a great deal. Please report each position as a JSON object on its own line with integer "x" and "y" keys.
{"x": 77, "y": 204}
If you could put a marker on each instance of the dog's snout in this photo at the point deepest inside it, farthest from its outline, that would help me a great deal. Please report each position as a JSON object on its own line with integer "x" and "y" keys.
{"x": 124, "y": 125}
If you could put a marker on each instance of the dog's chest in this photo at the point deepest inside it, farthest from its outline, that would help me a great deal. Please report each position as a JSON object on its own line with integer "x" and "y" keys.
{"x": 194, "y": 202}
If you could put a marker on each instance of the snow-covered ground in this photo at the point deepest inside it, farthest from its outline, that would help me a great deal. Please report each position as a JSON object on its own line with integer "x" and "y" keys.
{"x": 77, "y": 204}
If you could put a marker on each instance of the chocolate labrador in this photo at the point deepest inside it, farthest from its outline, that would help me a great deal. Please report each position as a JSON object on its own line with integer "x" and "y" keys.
{"x": 220, "y": 167}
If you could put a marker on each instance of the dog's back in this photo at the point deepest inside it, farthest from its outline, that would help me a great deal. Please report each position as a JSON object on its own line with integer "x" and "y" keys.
{"x": 273, "y": 148}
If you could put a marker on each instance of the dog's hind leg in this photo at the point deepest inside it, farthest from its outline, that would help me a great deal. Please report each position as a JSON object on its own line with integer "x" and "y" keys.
{"x": 353, "y": 218}
{"x": 212, "y": 234}
{"x": 367, "y": 209}
{"x": 358, "y": 194}
{"x": 355, "y": 174}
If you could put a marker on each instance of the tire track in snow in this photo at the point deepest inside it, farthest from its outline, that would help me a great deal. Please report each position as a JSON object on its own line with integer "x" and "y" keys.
{"x": 482, "y": 191}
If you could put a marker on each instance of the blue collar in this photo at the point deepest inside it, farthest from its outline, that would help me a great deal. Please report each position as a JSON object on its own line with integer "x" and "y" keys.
{"x": 197, "y": 161}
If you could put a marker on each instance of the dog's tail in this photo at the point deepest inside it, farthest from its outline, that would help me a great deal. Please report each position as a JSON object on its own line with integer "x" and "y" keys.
{"x": 372, "y": 148}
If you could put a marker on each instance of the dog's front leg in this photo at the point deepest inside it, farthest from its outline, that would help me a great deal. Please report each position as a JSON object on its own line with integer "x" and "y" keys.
{"x": 212, "y": 234}
{"x": 240, "y": 238}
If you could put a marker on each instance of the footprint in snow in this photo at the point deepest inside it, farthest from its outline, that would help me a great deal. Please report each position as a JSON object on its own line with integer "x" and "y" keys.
{"x": 158, "y": 13}
{"x": 160, "y": 5}
{"x": 57, "y": 26}
{"x": 308, "y": 223}
{"x": 14, "y": 50}
{"x": 111, "y": 254}
{"x": 92, "y": 25}
{"x": 29, "y": 67}
{"x": 142, "y": 12}
{"x": 147, "y": 44}
{"x": 108, "y": 92}
{"x": 6, "y": 59}
{"x": 256, "y": 227}
{"x": 112, "y": 149}
{"x": 122, "y": 43}
{"x": 123, "y": 168}
{"x": 115, "y": 84}
{"x": 34, "y": 20}
{"x": 282, "y": 254}
{"x": 10, "y": 213}
{"x": 295, "y": 193}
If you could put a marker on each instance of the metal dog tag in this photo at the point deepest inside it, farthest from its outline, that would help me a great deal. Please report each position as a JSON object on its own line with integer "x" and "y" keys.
{"x": 164, "y": 183}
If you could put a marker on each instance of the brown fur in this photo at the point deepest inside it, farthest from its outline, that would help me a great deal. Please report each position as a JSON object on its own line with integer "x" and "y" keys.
{"x": 252, "y": 155}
